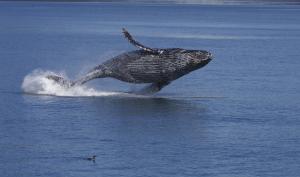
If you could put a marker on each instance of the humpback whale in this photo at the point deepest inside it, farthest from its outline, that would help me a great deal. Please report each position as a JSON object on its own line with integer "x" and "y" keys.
{"x": 157, "y": 66}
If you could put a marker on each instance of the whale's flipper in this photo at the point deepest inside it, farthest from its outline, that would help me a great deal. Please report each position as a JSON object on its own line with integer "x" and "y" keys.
{"x": 137, "y": 44}
{"x": 153, "y": 88}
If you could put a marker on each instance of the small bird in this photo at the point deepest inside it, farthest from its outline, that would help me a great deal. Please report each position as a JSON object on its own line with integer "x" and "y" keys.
{"x": 93, "y": 158}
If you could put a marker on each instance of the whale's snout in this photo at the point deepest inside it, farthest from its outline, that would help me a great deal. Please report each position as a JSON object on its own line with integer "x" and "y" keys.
{"x": 209, "y": 56}
{"x": 197, "y": 58}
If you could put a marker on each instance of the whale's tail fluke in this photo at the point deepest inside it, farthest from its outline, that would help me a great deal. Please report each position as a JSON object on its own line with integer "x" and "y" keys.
{"x": 61, "y": 81}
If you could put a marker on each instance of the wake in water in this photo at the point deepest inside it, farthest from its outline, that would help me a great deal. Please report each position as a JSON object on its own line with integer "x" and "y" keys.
{"x": 38, "y": 83}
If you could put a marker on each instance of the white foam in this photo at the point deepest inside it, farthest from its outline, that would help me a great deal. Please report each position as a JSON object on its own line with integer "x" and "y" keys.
{"x": 37, "y": 83}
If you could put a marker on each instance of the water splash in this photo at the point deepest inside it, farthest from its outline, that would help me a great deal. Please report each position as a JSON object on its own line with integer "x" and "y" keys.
{"x": 37, "y": 83}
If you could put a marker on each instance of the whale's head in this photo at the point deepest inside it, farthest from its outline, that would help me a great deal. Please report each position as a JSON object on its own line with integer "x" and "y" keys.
{"x": 194, "y": 59}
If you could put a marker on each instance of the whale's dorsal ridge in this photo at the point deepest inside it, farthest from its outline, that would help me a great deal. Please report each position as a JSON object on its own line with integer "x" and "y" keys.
{"x": 136, "y": 43}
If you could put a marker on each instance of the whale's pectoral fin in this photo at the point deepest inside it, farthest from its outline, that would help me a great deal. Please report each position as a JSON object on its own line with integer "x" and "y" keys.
{"x": 153, "y": 88}
{"x": 60, "y": 80}
{"x": 137, "y": 44}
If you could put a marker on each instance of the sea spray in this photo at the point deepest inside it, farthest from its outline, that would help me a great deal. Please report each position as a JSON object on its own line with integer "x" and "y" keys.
{"x": 37, "y": 83}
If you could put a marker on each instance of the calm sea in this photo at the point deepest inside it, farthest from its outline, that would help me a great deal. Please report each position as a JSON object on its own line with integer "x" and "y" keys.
{"x": 238, "y": 116}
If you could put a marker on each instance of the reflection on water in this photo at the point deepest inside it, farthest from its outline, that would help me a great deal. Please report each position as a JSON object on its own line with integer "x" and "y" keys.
{"x": 124, "y": 106}
{"x": 119, "y": 110}
{"x": 146, "y": 106}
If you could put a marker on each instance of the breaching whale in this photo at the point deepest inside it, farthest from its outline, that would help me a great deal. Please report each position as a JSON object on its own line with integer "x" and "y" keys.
{"x": 146, "y": 65}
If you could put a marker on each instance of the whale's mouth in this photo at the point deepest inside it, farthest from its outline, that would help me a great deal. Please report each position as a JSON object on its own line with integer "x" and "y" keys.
{"x": 38, "y": 83}
{"x": 209, "y": 56}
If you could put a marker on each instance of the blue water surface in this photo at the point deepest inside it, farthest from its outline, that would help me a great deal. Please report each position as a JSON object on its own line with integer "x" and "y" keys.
{"x": 238, "y": 116}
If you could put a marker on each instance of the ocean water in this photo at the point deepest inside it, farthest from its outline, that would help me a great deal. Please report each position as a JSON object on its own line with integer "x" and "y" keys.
{"x": 237, "y": 116}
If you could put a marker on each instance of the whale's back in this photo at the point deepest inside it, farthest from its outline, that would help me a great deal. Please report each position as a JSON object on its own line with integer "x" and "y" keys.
{"x": 145, "y": 67}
